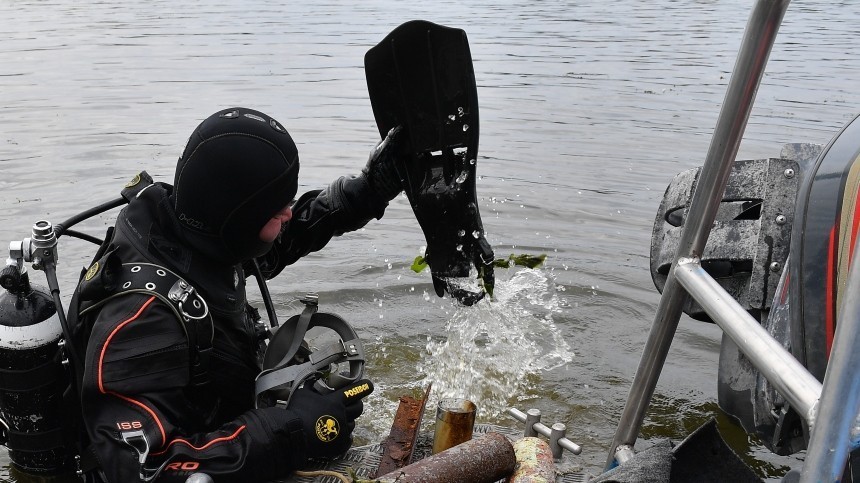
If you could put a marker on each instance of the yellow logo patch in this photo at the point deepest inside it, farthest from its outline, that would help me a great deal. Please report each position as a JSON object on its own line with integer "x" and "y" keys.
{"x": 327, "y": 428}
{"x": 133, "y": 181}
{"x": 92, "y": 272}
{"x": 357, "y": 390}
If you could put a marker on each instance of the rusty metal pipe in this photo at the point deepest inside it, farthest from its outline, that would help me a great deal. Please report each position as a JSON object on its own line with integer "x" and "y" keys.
{"x": 485, "y": 459}
{"x": 534, "y": 462}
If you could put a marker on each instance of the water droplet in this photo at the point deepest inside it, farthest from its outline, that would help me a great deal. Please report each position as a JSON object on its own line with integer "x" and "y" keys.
{"x": 426, "y": 296}
{"x": 452, "y": 117}
{"x": 461, "y": 112}
{"x": 476, "y": 234}
{"x": 472, "y": 161}
{"x": 465, "y": 127}
{"x": 411, "y": 289}
{"x": 461, "y": 233}
{"x": 459, "y": 248}
{"x": 389, "y": 266}
{"x": 463, "y": 176}
{"x": 381, "y": 316}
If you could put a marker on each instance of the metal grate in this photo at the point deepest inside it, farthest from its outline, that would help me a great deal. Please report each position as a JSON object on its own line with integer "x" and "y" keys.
{"x": 363, "y": 460}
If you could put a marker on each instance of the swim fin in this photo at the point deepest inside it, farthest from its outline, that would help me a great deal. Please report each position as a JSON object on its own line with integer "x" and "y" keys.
{"x": 421, "y": 77}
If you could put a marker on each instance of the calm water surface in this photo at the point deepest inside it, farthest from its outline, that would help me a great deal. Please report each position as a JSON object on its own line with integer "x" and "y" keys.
{"x": 588, "y": 109}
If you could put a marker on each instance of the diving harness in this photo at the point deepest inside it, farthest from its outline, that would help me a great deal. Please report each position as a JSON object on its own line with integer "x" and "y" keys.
{"x": 42, "y": 375}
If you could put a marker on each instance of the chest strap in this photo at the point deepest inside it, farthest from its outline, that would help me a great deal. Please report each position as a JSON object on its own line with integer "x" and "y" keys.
{"x": 114, "y": 280}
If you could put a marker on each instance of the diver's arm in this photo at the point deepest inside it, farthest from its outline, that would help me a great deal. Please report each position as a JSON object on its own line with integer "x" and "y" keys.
{"x": 137, "y": 412}
{"x": 346, "y": 205}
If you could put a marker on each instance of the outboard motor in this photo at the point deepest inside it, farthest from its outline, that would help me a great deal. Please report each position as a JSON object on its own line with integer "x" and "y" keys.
{"x": 781, "y": 246}
{"x": 32, "y": 376}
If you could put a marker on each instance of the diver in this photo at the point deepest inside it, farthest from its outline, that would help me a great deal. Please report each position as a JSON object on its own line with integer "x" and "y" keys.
{"x": 163, "y": 398}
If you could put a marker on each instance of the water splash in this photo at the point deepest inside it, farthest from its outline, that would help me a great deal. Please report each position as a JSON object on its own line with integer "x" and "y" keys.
{"x": 492, "y": 348}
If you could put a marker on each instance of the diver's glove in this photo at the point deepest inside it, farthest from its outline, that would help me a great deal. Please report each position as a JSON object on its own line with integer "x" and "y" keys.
{"x": 381, "y": 170}
{"x": 329, "y": 419}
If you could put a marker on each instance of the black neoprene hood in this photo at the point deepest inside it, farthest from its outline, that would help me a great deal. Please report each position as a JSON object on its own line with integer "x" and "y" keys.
{"x": 239, "y": 168}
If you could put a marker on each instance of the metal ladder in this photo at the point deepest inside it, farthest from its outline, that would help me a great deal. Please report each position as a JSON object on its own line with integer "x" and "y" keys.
{"x": 830, "y": 409}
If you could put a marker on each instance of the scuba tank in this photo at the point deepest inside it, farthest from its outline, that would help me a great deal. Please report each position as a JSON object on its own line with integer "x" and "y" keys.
{"x": 32, "y": 376}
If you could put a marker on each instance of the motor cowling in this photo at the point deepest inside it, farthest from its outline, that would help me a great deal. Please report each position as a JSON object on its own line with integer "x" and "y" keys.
{"x": 32, "y": 377}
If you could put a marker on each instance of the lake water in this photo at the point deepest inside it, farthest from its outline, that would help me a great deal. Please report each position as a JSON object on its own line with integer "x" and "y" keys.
{"x": 588, "y": 109}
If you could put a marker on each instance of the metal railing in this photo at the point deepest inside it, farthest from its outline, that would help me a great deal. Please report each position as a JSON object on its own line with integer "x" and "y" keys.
{"x": 830, "y": 409}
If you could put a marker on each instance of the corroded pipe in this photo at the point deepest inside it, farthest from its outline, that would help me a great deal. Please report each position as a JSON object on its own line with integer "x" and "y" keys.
{"x": 397, "y": 449}
{"x": 534, "y": 462}
{"x": 484, "y": 459}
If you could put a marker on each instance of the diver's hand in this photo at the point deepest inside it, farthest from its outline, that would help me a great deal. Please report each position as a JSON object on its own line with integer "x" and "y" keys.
{"x": 381, "y": 170}
{"x": 329, "y": 419}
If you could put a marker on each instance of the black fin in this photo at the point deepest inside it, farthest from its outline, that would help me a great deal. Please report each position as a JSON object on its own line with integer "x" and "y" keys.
{"x": 421, "y": 77}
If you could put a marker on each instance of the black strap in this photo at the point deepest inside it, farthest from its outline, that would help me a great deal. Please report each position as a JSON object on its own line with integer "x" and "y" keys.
{"x": 12, "y": 380}
{"x": 88, "y": 460}
{"x": 35, "y": 441}
{"x": 137, "y": 184}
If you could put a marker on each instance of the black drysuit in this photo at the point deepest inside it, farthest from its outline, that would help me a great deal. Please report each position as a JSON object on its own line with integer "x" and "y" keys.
{"x": 137, "y": 382}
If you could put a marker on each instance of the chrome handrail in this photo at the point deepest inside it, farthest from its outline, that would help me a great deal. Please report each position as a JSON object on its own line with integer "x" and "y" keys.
{"x": 758, "y": 40}
{"x": 830, "y": 409}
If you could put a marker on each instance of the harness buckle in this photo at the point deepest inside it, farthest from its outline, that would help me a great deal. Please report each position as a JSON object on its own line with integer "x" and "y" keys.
{"x": 137, "y": 440}
{"x": 180, "y": 293}
{"x": 311, "y": 299}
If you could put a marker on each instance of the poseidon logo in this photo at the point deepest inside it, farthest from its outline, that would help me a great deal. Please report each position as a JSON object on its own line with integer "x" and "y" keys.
{"x": 327, "y": 428}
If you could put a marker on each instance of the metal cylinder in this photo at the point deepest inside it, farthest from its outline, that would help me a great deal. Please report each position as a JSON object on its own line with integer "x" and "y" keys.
{"x": 485, "y": 459}
{"x": 532, "y": 418}
{"x": 558, "y": 430}
{"x": 32, "y": 380}
{"x": 455, "y": 421}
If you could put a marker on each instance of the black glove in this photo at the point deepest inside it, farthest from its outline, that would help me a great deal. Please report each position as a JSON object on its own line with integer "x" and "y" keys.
{"x": 381, "y": 171}
{"x": 329, "y": 419}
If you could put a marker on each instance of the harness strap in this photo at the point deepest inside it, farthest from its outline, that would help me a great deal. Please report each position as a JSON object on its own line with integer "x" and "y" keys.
{"x": 311, "y": 307}
{"x": 186, "y": 303}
